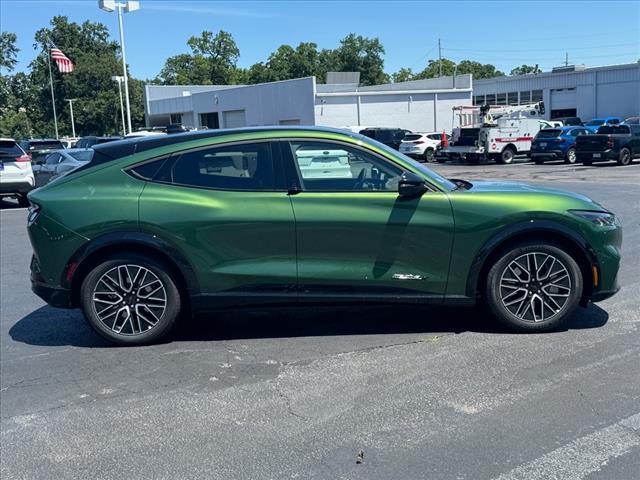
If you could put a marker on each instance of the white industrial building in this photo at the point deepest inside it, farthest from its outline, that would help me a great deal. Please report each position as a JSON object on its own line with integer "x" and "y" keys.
{"x": 420, "y": 105}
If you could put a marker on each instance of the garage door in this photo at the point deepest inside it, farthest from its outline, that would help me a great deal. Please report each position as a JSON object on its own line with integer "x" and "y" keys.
{"x": 234, "y": 118}
{"x": 564, "y": 98}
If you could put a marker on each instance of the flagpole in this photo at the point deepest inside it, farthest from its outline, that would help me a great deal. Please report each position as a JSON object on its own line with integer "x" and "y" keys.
{"x": 53, "y": 97}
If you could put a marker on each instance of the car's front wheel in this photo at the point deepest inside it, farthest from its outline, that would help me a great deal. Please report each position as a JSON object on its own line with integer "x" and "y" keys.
{"x": 533, "y": 287}
{"x": 130, "y": 299}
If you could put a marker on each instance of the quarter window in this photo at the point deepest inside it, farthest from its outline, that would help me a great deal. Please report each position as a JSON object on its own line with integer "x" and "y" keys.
{"x": 247, "y": 166}
{"x": 330, "y": 167}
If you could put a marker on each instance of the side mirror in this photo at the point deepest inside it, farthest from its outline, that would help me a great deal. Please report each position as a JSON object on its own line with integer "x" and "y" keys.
{"x": 411, "y": 185}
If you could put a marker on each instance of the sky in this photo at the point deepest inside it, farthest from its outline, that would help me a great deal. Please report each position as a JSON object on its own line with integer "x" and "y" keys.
{"x": 503, "y": 33}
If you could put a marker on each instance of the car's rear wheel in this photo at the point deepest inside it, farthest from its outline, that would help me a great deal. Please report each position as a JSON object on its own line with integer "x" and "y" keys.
{"x": 23, "y": 201}
{"x": 130, "y": 299}
{"x": 624, "y": 158}
{"x": 429, "y": 155}
{"x": 506, "y": 157}
{"x": 533, "y": 287}
{"x": 571, "y": 156}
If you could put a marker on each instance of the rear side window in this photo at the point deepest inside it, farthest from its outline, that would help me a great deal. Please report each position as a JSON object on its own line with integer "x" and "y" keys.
{"x": 247, "y": 166}
{"x": 413, "y": 136}
{"x": 9, "y": 149}
{"x": 549, "y": 133}
{"x": 45, "y": 145}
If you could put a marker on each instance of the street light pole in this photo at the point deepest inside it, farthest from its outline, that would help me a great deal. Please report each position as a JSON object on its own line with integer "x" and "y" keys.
{"x": 73, "y": 124}
{"x": 128, "y": 6}
{"x": 118, "y": 78}
{"x": 120, "y": 6}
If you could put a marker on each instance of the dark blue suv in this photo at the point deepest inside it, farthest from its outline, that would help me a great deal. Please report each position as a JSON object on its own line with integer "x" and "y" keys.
{"x": 557, "y": 144}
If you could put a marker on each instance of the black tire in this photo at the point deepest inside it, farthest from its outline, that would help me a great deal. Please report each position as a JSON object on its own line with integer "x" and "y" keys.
{"x": 539, "y": 161}
{"x": 570, "y": 157}
{"x": 624, "y": 158}
{"x": 506, "y": 157}
{"x": 163, "y": 318}
{"x": 429, "y": 155}
{"x": 23, "y": 201}
{"x": 514, "y": 302}
{"x": 441, "y": 159}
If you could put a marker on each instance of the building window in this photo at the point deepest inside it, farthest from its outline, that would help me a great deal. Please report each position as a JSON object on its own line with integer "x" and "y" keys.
{"x": 501, "y": 99}
{"x": 175, "y": 118}
{"x": 525, "y": 97}
{"x": 491, "y": 99}
{"x": 536, "y": 96}
{"x": 478, "y": 100}
{"x": 512, "y": 98}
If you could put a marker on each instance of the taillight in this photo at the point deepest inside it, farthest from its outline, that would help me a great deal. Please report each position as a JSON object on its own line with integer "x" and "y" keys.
{"x": 418, "y": 142}
{"x": 24, "y": 158}
{"x": 610, "y": 142}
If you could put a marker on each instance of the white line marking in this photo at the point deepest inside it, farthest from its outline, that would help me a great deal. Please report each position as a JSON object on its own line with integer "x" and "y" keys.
{"x": 583, "y": 456}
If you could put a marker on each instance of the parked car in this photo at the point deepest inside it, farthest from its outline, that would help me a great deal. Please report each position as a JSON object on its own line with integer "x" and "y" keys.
{"x": 612, "y": 142}
{"x": 421, "y": 146}
{"x": 16, "y": 175}
{"x": 154, "y": 227}
{"x": 389, "y": 136}
{"x": 632, "y": 121}
{"x": 90, "y": 141}
{"x": 60, "y": 162}
{"x": 556, "y": 144}
{"x": 37, "y": 149}
{"x": 571, "y": 121}
{"x": 596, "y": 123}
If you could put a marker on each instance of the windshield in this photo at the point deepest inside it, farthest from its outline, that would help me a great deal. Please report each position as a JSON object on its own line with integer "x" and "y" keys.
{"x": 46, "y": 145}
{"x": 430, "y": 174}
{"x": 595, "y": 122}
{"x": 82, "y": 155}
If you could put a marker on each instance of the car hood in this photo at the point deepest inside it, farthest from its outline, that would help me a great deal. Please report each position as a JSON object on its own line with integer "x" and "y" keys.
{"x": 493, "y": 186}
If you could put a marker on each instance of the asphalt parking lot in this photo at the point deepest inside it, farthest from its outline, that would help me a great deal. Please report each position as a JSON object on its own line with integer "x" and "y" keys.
{"x": 300, "y": 393}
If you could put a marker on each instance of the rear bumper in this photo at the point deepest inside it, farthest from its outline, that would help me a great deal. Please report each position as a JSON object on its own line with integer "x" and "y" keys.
{"x": 601, "y": 156}
{"x": 54, "y": 296}
{"x": 547, "y": 155}
{"x": 22, "y": 186}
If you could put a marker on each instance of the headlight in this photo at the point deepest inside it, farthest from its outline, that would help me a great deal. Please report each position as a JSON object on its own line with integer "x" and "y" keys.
{"x": 601, "y": 219}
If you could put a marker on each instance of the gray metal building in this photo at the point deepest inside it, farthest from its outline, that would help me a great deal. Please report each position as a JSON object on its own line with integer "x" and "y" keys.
{"x": 569, "y": 91}
{"x": 422, "y": 105}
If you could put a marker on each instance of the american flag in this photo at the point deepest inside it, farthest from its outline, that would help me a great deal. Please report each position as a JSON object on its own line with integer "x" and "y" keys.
{"x": 64, "y": 64}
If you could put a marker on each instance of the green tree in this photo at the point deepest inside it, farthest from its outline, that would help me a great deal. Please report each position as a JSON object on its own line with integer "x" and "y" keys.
{"x": 525, "y": 69}
{"x": 8, "y": 50}
{"x": 286, "y": 63}
{"x": 358, "y": 54}
{"x": 432, "y": 70}
{"x": 478, "y": 70}
{"x": 212, "y": 61}
{"x": 403, "y": 75}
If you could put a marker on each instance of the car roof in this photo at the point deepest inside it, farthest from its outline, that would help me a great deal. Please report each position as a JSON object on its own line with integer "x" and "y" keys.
{"x": 6, "y": 139}
{"x": 129, "y": 146}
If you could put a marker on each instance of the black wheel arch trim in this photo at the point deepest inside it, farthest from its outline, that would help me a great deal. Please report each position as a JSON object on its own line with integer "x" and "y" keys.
{"x": 159, "y": 246}
{"x": 536, "y": 226}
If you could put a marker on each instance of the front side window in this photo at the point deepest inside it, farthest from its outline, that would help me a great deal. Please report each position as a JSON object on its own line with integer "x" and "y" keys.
{"x": 247, "y": 166}
{"x": 53, "y": 159}
{"x": 333, "y": 167}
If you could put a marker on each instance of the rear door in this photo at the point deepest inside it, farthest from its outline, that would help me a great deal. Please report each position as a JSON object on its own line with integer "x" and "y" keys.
{"x": 225, "y": 207}
{"x": 356, "y": 238}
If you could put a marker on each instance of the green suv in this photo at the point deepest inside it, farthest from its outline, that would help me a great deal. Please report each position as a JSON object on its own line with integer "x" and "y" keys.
{"x": 153, "y": 228}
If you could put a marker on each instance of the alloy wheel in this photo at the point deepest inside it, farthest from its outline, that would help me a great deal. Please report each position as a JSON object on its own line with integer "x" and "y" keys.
{"x": 129, "y": 299}
{"x": 535, "y": 287}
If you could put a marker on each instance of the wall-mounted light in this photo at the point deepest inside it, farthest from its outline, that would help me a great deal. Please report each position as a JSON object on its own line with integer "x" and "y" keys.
{"x": 216, "y": 100}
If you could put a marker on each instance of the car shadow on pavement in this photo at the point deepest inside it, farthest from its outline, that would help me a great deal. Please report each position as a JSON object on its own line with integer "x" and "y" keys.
{"x": 50, "y": 326}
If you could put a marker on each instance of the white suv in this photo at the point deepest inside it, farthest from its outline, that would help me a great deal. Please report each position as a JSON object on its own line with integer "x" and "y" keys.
{"x": 16, "y": 175}
{"x": 421, "y": 146}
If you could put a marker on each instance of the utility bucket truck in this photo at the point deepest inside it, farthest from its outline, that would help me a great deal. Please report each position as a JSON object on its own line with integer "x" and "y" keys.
{"x": 504, "y": 132}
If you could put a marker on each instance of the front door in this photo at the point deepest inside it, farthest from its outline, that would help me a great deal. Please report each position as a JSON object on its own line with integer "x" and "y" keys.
{"x": 222, "y": 208}
{"x": 356, "y": 238}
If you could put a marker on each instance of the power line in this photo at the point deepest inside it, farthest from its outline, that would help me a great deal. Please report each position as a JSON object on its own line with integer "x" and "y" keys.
{"x": 528, "y": 51}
